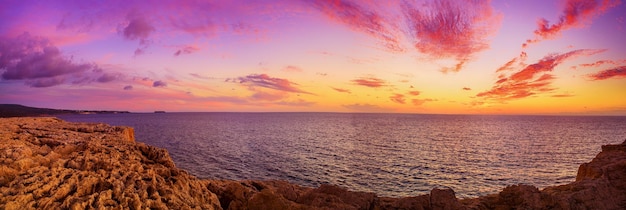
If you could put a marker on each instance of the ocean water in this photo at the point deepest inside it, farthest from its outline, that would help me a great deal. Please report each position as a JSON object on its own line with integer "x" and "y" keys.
{"x": 388, "y": 154}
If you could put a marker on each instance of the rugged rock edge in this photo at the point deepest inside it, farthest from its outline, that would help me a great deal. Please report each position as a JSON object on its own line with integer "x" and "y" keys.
{"x": 46, "y": 163}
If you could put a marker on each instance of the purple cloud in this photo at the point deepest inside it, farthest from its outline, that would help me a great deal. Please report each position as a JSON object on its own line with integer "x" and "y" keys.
{"x": 128, "y": 87}
{"x": 263, "y": 80}
{"x": 159, "y": 83}
{"x": 37, "y": 61}
{"x": 186, "y": 50}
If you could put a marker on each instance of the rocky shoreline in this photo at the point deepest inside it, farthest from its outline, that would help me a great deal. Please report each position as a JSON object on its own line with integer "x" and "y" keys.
{"x": 47, "y": 163}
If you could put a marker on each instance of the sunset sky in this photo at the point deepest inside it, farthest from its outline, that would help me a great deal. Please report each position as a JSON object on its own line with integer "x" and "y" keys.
{"x": 422, "y": 56}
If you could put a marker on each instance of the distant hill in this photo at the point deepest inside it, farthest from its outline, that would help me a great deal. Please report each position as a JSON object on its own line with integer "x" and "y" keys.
{"x": 16, "y": 110}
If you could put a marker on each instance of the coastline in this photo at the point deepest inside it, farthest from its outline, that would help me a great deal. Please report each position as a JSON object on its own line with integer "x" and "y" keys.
{"x": 50, "y": 163}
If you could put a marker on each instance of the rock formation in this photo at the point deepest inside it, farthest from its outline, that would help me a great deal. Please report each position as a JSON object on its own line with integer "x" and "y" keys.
{"x": 51, "y": 164}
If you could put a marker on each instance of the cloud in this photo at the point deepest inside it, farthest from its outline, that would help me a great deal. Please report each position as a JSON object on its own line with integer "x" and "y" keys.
{"x": 451, "y": 29}
{"x": 263, "y": 96}
{"x": 188, "y": 49}
{"x": 199, "y": 76}
{"x": 299, "y": 102}
{"x": 108, "y": 77}
{"x": 37, "y": 61}
{"x": 617, "y": 72}
{"x": 419, "y": 102}
{"x": 128, "y": 87}
{"x": 369, "y": 82}
{"x": 291, "y": 68}
{"x": 159, "y": 83}
{"x": 576, "y": 13}
{"x": 466, "y": 88}
{"x": 366, "y": 108}
{"x": 138, "y": 28}
{"x": 398, "y": 98}
{"x": 414, "y": 93}
{"x": 562, "y": 95}
{"x": 362, "y": 19}
{"x": 603, "y": 62}
{"x": 341, "y": 90}
{"x": 532, "y": 79}
{"x": 263, "y": 80}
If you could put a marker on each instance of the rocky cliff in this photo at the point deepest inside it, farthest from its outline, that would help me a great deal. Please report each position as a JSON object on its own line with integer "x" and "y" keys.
{"x": 47, "y": 163}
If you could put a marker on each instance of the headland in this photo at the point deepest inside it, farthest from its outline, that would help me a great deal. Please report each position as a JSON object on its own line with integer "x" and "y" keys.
{"x": 47, "y": 163}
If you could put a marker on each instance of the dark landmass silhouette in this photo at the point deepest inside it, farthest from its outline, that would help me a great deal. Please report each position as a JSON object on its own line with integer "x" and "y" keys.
{"x": 16, "y": 110}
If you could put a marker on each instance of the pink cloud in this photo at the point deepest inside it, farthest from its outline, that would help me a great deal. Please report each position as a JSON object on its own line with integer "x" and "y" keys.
{"x": 263, "y": 80}
{"x": 341, "y": 90}
{"x": 451, "y": 29}
{"x": 291, "y": 68}
{"x": 361, "y": 19}
{"x": 370, "y": 82}
{"x": 617, "y": 72}
{"x": 532, "y": 79}
{"x": 603, "y": 62}
{"x": 576, "y": 13}
{"x": 398, "y": 98}
{"x": 188, "y": 49}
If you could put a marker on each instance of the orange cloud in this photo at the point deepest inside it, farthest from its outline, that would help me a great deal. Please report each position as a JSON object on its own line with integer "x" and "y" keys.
{"x": 451, "y": 29}
{"x": 398, "y": 98}
{"x": 576, "y": 13}
{"x": 532, "y": 79}
{"x": 419, "y": 102}
{"x": 366, "y": 108}
{"x": 370, "y": 82}
{"x": 415, "y": 93}
{"x": 341, "y": 90}
{"x": 618, "y": 72}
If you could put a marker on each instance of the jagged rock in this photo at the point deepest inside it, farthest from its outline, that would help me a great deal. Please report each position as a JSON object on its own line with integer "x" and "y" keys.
{"x": 50, "y": 164}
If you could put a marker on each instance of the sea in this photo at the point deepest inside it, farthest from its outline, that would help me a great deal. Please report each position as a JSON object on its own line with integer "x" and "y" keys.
{"x": 392, "y": 155}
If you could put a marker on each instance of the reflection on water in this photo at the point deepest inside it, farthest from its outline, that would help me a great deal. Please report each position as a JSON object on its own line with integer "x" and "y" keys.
{"x": 389, "y": 154}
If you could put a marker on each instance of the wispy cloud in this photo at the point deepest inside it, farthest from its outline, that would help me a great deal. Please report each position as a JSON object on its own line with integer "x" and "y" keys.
{"x": 292, "y": 68}
{"x": 398, "y": 98}
{"x": 367, "y": 108}
{"x": 263, "y": 80}
{"x": 363, "y": 19}
{"x": 617, "y": 72}
{"x": 341, "y": 90}
{"x": 414, "y": 93}
{"x": 419, "y": 102}
{"x": 576, "y": 13}
{"x": 451, "y": 29}
{"x": 467, "y": 89}
{"x": 603, "y": 62}
{"x": 187, "y": 49}
{"x": 370, "y": 82}
{"x": 532, "y": 79}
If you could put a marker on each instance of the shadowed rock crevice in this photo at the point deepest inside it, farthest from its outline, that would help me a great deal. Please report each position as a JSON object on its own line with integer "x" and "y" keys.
{"x": 46, "y": 163}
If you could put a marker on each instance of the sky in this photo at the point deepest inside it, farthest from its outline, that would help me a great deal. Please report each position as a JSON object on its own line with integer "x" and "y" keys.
{"x": 411, "y": 56}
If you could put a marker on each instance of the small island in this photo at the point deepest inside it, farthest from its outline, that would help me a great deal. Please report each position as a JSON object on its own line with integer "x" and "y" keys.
{"x": 52, "y": 164}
